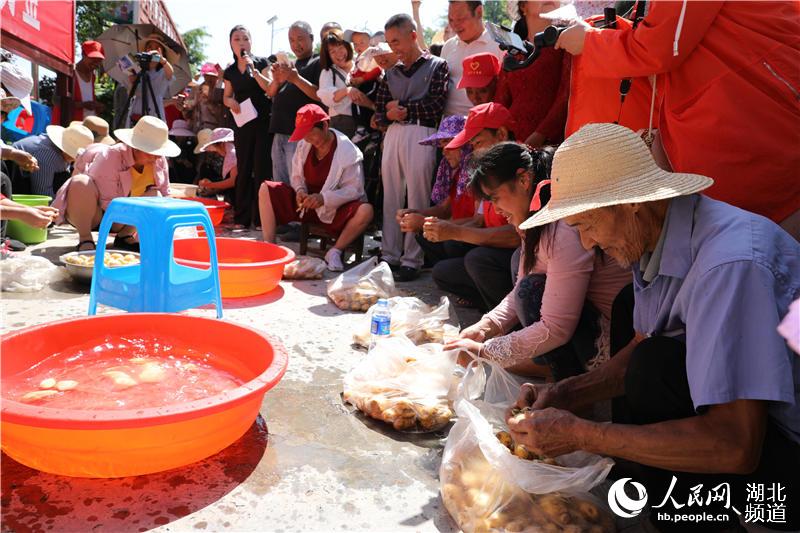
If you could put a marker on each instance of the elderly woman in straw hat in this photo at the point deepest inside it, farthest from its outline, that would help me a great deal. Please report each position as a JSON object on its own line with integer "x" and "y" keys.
{"x": 710, "y": 393}
{"x": 220, "y": 143}
{"x": 136, "y": 166}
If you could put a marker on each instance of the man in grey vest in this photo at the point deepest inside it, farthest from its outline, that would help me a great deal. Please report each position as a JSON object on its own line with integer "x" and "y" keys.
{"x": 410, "y": 100}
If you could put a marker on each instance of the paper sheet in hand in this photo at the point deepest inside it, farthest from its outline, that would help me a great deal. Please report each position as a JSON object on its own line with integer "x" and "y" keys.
{"x": 246, "y": 114}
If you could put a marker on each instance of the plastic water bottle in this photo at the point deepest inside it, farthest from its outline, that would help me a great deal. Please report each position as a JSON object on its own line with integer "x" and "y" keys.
{"x": 381, "y": 322}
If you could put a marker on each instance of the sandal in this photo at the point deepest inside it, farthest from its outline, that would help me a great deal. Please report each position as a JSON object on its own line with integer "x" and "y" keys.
{"x": 126, "y": 242}
{"x": 88, "y": 241}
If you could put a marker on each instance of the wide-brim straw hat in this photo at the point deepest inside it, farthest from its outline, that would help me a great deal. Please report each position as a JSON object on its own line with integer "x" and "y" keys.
{"x": 219, "y": 135}
{"x": 150, "y": 135}
{"x": 607, "y": 164}
{"x": 203, "y": 136}
{"x": 70, "y": 140}
{"x": 99, "y": 128}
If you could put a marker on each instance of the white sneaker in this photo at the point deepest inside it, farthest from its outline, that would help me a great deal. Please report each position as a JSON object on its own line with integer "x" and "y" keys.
{"x": 334, "y": 260}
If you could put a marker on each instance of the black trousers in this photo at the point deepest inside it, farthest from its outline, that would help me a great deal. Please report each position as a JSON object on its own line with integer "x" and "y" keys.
{"x": 657, "y": 390}
{"x": 480, "y": 274}
{"x": 254, "y": 165}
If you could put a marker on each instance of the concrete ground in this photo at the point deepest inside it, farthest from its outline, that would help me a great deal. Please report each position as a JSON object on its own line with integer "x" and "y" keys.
{"x": 308, "y": 463}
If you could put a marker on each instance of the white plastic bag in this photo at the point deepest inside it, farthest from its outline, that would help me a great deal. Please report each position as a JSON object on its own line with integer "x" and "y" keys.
{"x": 413, "y": 318}
{"x": 407, "y": 386}
{"x": 486, "y": 487}
{"x": 362, "y": 286}
{"x": 305, "y": 267}
{"x": 27, "y": 273}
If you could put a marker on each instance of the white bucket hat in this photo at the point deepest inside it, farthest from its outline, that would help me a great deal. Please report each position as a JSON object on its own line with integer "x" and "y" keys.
{"x": 18, "y": 83}
{"x": 70, "y": 140}
{"x": 607, "y": 164}
{"x": 218, "y": 135}
{"x": 150, "y": 135}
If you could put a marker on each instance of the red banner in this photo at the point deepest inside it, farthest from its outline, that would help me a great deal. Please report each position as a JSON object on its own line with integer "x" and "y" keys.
{"x": 48, "y": 26}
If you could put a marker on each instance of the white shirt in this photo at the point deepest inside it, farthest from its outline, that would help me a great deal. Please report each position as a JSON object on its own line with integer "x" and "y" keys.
{"x": 87, "y": 93}
{"x": 454, "y": 51}
{"x": 329, "y": 83}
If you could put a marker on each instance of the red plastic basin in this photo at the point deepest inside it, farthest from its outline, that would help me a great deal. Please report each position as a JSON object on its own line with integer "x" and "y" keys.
{"x": 246, "y": 268}
{"x": 104, "y": 443}
{"x": 216, "y": 208}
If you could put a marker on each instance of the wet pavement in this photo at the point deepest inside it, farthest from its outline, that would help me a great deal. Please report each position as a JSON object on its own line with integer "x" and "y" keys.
{"x": 307, "y": 464}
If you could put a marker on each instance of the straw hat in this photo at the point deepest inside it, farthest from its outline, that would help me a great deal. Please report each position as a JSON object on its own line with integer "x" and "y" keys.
{"x": 203, "y": 136}
{"x": 219, "y": 135}
{"x": 607, "y": 164}
{"x": 8, "y": 99}
{"x": 72, "y": 139}
{"x": 150, "y": 135}
{"x": 99, "y": 128}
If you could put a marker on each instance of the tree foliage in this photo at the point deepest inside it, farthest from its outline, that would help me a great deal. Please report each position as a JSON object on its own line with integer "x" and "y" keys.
{"x": 495, "y": 11}
{"x": 91, "y": 19}
{"x": 195, "y": 41}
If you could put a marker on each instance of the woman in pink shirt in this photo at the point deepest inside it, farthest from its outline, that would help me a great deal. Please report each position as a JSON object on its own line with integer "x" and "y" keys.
{"x": 561, "y": 290}
{"x": 136, "y": 166}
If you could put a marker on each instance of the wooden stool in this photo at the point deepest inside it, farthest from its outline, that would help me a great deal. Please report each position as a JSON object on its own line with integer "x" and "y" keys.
{"x": 313, "y": 230}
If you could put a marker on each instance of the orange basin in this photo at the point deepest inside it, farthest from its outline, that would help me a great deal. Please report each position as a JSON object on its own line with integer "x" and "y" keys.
{"x": 246, "y": 268}
{"x": 105, "y": 443}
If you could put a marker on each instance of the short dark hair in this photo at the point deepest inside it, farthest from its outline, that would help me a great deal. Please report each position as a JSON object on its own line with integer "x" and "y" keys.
{"x": 401, "y": 20}
{"x": 332, "y": 38}
{"x": 303, "y": 25}
{"x": 473, "y": 5}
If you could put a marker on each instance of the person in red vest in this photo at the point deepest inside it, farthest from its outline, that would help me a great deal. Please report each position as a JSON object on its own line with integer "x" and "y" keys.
{"x": 85, "y": 104}
{"x": 730, "y": 109}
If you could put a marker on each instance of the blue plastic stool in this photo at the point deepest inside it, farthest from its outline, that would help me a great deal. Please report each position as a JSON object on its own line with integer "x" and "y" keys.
{"x": 158, "y": 284}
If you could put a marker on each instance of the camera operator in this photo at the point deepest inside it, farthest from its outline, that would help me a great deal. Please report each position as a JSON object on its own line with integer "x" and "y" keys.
{"x": 160, "y": 74}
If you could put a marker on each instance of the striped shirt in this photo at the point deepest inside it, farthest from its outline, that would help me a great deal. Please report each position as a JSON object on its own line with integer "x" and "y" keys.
{"x": 50, "y": 159}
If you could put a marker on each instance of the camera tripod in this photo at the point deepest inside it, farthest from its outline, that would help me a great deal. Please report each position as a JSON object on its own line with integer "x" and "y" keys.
{"x": 143, "y": 79}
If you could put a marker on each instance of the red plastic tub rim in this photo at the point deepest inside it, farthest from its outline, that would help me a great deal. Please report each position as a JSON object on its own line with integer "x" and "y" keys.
{"x": 209, "y": 202}
{"x": 46, "y": 417}
{"x": 285, "y": 260}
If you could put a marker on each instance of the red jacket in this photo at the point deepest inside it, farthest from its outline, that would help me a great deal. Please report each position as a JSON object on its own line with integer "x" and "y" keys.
{"x": 731, "y": 107}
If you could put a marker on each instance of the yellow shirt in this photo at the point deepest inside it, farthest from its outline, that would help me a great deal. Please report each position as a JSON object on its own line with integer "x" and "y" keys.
{"x": 142, "y": 180}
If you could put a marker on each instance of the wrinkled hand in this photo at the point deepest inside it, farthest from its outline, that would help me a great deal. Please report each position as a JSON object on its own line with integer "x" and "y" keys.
{"x": 205, "y": 182}
{"x": 280, "y": 72}
{"x": 359, "y": 98}
{"x": 403, "y": 212}
{"x": 541, "y": 396}
{"x": 412, "y": 223}
{"x": 437, "y": 230}
{"x": 468, "y": 350}
{"x": 550, "y": 432}
{"x": 25, "y": 160}
{"x": 573, "y": 38}
{"x": 36, "y": 217}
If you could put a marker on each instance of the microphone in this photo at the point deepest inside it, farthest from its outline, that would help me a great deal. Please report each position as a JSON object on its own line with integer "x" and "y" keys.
{"x": 244, "y": 54}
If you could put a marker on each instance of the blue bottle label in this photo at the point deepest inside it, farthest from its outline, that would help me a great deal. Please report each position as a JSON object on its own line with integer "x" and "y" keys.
{"x": 380, "y": 325}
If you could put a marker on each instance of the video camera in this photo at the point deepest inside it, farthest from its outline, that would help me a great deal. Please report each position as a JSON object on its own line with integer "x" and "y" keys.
{"x": 145, "y": 58}
{"x": 515, "y": 46}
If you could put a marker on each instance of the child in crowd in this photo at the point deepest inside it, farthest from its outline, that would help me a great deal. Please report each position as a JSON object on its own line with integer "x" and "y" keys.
{"x": 481, "y": 72}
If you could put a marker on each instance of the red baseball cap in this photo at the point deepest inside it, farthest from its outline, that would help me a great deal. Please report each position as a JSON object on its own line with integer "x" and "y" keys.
{"x": 479, "y": 70}
{"x": 307, "y": 117}
{"x": 491, "y": 115}
{"x": 92, "y": 49}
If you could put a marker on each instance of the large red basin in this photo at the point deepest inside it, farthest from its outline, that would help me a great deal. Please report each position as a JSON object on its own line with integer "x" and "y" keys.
{"x": 97, "y": 443}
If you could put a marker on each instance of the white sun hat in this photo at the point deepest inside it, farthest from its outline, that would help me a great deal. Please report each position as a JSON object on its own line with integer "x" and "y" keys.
{"x": 218, "y": 135}
{"x": 72, "y": 139}
{"x": 607, "y": 164}
{"x": 18, "y": 83}
{"x": 150, "y": 135}
{"x": 203, "y": 136}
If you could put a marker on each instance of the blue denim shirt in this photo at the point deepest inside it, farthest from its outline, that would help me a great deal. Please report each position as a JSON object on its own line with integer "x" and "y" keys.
{"x": 725, "y": 281}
